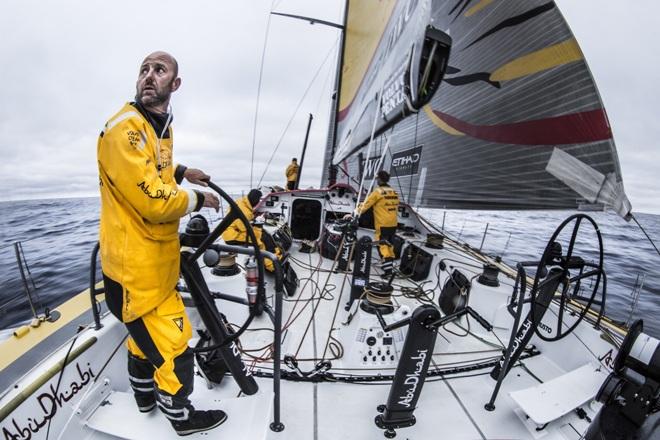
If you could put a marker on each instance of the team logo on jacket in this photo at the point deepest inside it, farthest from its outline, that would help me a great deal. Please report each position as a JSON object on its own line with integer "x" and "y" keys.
{"x": 178, "y": 322}
{"x": 136, "y": 139}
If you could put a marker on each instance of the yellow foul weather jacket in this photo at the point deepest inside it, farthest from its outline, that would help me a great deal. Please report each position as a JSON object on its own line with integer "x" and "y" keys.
{"x": 292, "y": 172}
{"x": 140, "y": 210}
{"x": 237, "y": 232}
{"x": 385, "y": 203}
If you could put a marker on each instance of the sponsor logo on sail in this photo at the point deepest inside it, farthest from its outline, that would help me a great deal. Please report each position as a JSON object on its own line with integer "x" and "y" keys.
{"x": 406, "y": 162}
{"x": 369, "y": 167}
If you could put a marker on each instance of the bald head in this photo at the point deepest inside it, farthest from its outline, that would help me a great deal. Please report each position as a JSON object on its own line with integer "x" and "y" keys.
{"x": 163, "y": 57}
{"x": 157, "y": 80}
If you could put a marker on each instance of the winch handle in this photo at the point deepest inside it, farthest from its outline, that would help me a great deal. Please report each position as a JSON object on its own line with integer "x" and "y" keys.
{"x": 393, "y": 326}
{"x": 480, "y": 319}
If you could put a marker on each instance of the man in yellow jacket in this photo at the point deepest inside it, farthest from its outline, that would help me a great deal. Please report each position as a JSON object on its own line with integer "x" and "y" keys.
{"x": 236, "y": 233}
{"x": 140, "y": 209}
{"x": 385, "y": 203}
{"x": 292, "y": 174}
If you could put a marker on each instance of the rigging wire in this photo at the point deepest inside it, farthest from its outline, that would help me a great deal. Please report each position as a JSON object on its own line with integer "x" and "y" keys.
{"x": 398, "y": 181}
{"x": 647, "y": 235}
{"x": 286, "y": 129}
{"x": 371, "y": 142}
{"x": 261, "y": 73}
{"x": 325, "y": 83}
{"x": 414, "y": 145}
{"x": 377, "y": 167}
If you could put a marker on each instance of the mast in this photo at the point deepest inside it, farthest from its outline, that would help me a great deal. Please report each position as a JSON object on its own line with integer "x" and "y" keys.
{"x": 330, "y": 145}
{"x": 302, "y": 157}
{"x": 332, "y": 139}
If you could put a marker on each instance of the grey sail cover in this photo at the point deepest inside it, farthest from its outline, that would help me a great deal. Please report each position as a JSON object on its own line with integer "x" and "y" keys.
{"x": 517, "y": 122}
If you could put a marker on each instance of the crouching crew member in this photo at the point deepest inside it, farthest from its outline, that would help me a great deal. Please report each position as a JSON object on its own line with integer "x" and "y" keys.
{"x": 236, "y": 234}
{"x": 140, "y": 209}
{"x": 385, "y": 203}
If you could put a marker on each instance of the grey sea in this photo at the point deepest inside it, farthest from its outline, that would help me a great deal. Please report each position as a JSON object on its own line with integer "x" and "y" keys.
{"x": 57, "y": 236}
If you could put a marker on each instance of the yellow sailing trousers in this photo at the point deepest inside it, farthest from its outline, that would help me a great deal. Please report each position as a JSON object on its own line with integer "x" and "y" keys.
{"x": 386, "y": 250}
{"x": 161, "y": 336}
{"x": 169, "y": 328}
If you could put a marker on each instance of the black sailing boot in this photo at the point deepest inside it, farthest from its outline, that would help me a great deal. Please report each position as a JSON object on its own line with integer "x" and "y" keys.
{"x": 199, "y": 421}
{"x": 141, "y": 377}
{"x": 184, "y": 418}
{"x": 387, "y": 266}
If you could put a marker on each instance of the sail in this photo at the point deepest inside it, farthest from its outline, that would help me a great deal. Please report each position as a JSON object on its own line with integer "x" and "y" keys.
{"x": 515, "y": 121}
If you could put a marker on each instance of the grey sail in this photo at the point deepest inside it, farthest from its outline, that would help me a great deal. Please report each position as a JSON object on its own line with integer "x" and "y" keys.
{"x": 503, "y": 113}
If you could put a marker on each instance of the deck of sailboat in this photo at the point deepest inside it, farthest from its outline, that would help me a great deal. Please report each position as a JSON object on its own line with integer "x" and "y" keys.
{"x": 450, "y": 406}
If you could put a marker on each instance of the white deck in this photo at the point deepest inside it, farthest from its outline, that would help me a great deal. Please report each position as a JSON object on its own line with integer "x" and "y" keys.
{"x": 450, "y": 407}
{"x": 548, "y": 401}
{"x": 120, "y": 406}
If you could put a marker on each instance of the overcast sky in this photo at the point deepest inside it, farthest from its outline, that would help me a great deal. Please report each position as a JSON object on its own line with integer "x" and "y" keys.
{"x": 67, "y": 66}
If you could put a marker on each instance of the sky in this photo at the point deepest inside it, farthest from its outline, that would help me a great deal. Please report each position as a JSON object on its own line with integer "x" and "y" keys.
{"x": 68, "y": 66}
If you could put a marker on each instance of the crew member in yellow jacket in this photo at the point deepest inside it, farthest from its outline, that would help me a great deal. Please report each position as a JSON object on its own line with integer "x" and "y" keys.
{"x": 384, "y": 201}
{"x": 140, "y": 209}
{"x": 292, "y": 174}
{"x": 237, "y": 234}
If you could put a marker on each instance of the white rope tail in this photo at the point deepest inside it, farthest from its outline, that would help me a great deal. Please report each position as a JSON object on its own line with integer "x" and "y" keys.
{"x": 376, "y": 168}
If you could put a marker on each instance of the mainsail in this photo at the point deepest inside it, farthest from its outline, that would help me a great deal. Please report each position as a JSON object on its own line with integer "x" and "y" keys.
{"x": 516, "y": 121}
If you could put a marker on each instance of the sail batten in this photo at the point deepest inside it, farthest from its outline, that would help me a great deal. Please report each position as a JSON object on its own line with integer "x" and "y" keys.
{"x": 516, "y": 122}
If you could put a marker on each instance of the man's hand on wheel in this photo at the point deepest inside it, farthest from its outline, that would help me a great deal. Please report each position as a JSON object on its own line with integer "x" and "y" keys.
{"x": 198, "y": 177}
{"x": 211, "y": 201}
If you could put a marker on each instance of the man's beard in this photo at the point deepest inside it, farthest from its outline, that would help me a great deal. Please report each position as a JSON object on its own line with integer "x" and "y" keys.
{"x": 155, "y": 99}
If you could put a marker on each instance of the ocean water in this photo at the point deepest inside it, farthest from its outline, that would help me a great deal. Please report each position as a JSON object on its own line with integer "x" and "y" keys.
{"x": 57, "y": 237}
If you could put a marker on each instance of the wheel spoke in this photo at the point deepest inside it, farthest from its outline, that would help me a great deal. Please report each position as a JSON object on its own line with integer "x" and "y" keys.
{"x": 562, "y": 307}
{"x": 571, "y": 244}
{"x": 582, "y": 276}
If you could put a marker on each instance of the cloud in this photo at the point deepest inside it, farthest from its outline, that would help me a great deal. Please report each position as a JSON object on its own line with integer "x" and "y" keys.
{"x": 65, "y": 81}
{"x": 68, "y": 67}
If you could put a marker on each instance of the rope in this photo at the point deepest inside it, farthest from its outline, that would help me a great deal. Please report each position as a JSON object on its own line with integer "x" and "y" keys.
{"x": 286, "y": 129}
{"x": 379, "y": 298}
{"x": 398, "y": 179}
{"x": 261, "y": 72}
{"x": 647, "y": 235}
{"x": 410, "y": 183}
{"x": 435, "y": 241}
{"x": 341, "y": 293}
{"x": 371, "y": 142}
{"x": 378, "y": 164}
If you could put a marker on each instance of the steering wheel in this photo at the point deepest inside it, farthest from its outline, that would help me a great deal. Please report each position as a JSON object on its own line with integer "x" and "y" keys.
{"x": 234, "y": 213}
{"x": 552, "y": 256}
